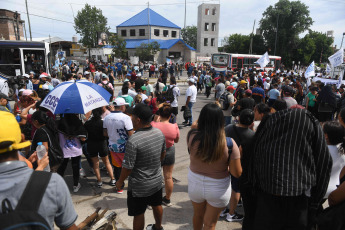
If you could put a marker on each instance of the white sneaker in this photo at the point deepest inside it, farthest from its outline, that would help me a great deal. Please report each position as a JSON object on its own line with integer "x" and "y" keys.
{"x": 76, "y": 188}
{"x": 82, "y": 172}
{"x": 224, "y": 212}
{"x": 234, "y": 218}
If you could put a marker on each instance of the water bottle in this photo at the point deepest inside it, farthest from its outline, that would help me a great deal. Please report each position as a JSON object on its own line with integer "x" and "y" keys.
{"x": 41, "y": 151}
{"x": 18, "y": 118}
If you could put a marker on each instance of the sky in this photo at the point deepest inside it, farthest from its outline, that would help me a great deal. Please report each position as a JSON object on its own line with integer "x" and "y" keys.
{"x": 236, "y": 16}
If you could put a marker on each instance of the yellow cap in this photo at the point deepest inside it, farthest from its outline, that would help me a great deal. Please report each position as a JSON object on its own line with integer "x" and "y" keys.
{"x": 10, "y": 134}
{"x": 243, "y": 82}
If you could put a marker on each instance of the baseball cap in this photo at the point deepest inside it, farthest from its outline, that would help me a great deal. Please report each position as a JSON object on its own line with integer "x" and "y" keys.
{"x": 191, "y": 80}
{"x": 119, "y": 101}
{"x": 86, "y": 72}
{"x": 5, "y": 97}
{"x": 143, "y": 88}
{"x": 230, "y": 87}
{"x": 138, "y": 74}
{"x": 267, "y": 78}
{"x": 44, "y": 75}
{"x": 288, "y": 90}
{"x": 45, "y": 87}
{"x": 248, "y": 91}
{"x": 26, "y": 75}
{"x": 104, "y": 76}
{"x": 243, "y": 82}
{"x": 27, "y": 92}
{"x": 10, "y": 134}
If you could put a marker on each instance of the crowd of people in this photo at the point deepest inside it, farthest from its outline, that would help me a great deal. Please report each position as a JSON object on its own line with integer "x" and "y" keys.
{"x": 271, "y": 141}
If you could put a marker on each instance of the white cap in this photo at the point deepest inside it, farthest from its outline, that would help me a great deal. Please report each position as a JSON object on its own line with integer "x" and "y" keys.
{"x": 138, "y": 74}
{"x": 86, "y": 72}
{"x": 44, "y": 75}
{"x": 119, "y": 101}
{"x": 21, "y": 90}
{"x": 44, "y": 87}
{"x": 191, "y": 80}
{"x": 26, "y": 75}
{"x": 267, "y": 78}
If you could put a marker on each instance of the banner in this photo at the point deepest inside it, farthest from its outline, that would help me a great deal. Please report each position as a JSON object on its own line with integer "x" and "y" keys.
{"x": 328, "y": 69}
{"x": 263, "y": 60}
{"x": 310, "y": 70}
{"x": 337, "y": 58}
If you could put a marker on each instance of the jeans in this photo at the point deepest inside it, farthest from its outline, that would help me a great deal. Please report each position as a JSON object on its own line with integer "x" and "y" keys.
{"x": 228, "y": 120}
{"x": 190, "y": 106}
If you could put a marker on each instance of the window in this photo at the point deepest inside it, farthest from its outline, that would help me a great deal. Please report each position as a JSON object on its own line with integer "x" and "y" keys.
{"x": 124, "y": 33}
{"x": 234, "y": 62}
{"x": 175, "y": 54}
{"x": 213, "y": 26}
{"x": 173, "y": 34}
{"x": 132, "y": 33}
{"x": 212, "y": 42}
{"x": 207, "y": 11}
{"x": 156, "y": 32}
{"x": 205, "y": 42}
{"x": 206, "y": 26}
{"x": 214, "y": 11}
{"x": 165, "y": 33}
{"x": 141, "y": 32}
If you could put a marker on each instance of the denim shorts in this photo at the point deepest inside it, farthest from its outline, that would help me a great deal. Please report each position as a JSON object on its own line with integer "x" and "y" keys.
{"x": 215, "y": 192}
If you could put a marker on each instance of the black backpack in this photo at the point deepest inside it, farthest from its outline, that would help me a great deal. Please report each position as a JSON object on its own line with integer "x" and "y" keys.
{"x": 64, "y": 70}
{"x": 225, "y": 103}
{"x": 169, "y": 95}
{"x": 107, "y": 88}
{"x": 25, "y": 216}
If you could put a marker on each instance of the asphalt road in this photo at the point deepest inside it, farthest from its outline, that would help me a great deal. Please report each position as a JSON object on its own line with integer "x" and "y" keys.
{"x": 178, "y": 216}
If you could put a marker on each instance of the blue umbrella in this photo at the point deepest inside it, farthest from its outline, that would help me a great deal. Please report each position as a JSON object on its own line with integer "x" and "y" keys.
{"x": 77, "y": 97}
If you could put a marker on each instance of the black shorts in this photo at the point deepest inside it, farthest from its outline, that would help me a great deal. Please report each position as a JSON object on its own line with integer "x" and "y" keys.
{"x": 174, "y": 110}
{"x": 169, "y": 158}
{"x": 235, "y": 185}
{"x": 137, "y": 205}
{"x": 119, "y": 72}
{"x": 96, "y": 149}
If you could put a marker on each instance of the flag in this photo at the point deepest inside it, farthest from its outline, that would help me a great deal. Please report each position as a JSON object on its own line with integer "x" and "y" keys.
{"x": 263, "y": 60}
{"x": 337, "y": 58}
{"x": 328, "y": 69}
{"x": 310, "y": 70}
{"x": 340, "y": 79}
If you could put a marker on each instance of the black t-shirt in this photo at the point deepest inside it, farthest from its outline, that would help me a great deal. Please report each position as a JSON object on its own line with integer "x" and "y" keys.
{"x": 95, "y": 130}
{"x": 138, "y": 84}
{"x": 246, "y": 103}
{"x": 164, "y": 73}
{"x": 39, "y": 136}
{"x": 239, "y": 134}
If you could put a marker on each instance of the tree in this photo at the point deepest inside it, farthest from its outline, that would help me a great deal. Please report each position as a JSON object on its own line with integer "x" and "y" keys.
{"x": 119, "y": 46}
{"x": 146, "y": 51}
{"x": 238, "y": 43}
{"x": 189, "y": 35}
{"x": 292, "y": 19}
{"x": 305, "y": 50}
{"x": 88, "y": 22}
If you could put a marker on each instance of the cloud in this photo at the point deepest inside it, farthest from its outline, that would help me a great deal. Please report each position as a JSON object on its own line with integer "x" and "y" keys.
{"x": 235, "y": 16}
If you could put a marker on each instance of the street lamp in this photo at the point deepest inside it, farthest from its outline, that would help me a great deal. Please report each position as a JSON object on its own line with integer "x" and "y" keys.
{"x": 275, "y": 43}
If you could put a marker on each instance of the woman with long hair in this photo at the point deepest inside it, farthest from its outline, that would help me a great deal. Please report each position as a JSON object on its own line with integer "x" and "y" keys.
{"x": 210, "y": 166}
{"x": 97, "y": 145}
{"x": 327, "y": 103}
{"x": 172, "y": 135}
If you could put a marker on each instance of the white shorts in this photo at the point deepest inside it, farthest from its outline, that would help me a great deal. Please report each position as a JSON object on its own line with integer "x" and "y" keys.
{"x": 216, "y": 192}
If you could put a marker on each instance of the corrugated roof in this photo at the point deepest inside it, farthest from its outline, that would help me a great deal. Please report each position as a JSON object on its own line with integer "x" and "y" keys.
{"x": 164, "y": 44}
{"x": 141, "y": 19}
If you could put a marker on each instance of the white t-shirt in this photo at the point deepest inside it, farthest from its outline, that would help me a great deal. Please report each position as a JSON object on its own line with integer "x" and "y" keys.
{"x": 338, "y": 164}
{"x": 192, "y": 92}
{"x": 267, "y": 85}
{"x": 117, "y": 125}
{"x": 144, "y": 97}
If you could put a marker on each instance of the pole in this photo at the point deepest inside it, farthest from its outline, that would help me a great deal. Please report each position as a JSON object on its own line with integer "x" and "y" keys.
{"x": 185, "y": 13}
{"x": 50, "y": 53}
{"x": 26, "y": 37}
{"x": 275, "y": 43}
{"x": 251, "y": 40}
{"x": 27, "y": 13}
{"x": 341, "y": 45}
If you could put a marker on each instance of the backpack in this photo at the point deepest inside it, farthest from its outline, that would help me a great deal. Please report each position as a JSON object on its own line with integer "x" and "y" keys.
{"x": 25, "y": 216}
{"x": 224, "y": 99}
{"x": 64, "y": 70}
{"x": 169, "y": 94}
{"x": 107, "y": 88}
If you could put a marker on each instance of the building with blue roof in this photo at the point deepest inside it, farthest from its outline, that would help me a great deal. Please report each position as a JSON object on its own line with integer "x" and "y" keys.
{"x": 148, "y": 26}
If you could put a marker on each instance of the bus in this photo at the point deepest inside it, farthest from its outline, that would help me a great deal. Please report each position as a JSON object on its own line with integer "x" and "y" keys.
{"x": 20, "y": 57}
{"x": 221, "y": 62}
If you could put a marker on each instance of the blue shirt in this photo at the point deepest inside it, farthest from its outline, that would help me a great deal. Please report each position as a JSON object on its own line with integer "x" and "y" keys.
{"x": 273, "y": 94}
{"x": 119, "y": 66}
{"x": 29, "y": 85}
{"x": 258, "y": 91}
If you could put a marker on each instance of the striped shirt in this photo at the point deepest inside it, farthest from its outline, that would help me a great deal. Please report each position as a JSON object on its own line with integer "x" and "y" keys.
{"x": 291, "y": 157}
{"x": 143, "y": 157}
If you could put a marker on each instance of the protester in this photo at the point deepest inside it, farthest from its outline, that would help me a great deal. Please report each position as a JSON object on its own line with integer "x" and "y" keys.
{"x": 326, "y": 103}
{"x": 208, "y": 176}
{"x": 190, "y": 100}
{"x": 142, "y": 165}
{"x": 172, "y": 135}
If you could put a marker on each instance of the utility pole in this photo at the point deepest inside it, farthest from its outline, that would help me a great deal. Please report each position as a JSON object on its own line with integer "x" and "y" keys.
{"x": 16, "y": 16}
{"x": 26, "y": 37}
{"x": 251, "y": 40}
{"x": 275, "y": 43}
{"x": 185, "y": 13}
{"x": 27, "y": 13}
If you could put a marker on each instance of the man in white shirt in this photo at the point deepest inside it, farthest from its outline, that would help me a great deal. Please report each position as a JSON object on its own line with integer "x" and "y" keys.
{"x": 190, "y": 99}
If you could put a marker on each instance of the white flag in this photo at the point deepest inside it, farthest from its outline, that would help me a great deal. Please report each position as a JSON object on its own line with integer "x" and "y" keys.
{"x": 310, "y": 70}
{"x": 263, "y": 60}
{"x": 337, "y": 58}
{"x": 340, "y": 79}
{"x": 328, "y": 69}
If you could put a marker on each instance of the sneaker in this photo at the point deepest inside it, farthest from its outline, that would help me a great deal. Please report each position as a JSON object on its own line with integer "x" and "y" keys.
{"x": 99, "y": 184}
{"x": 234, "y": 218}
{"x": 112, "y": 182}
{"x": 185, "y": 122}
{"x": 119, "y": 191}
{"x": 224, "y": 212}
{"x": 152, "y": 227}
{"x": 166, "y": 202}
{"x": 82, "y": 172}
{"x": 76, "y": 188}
